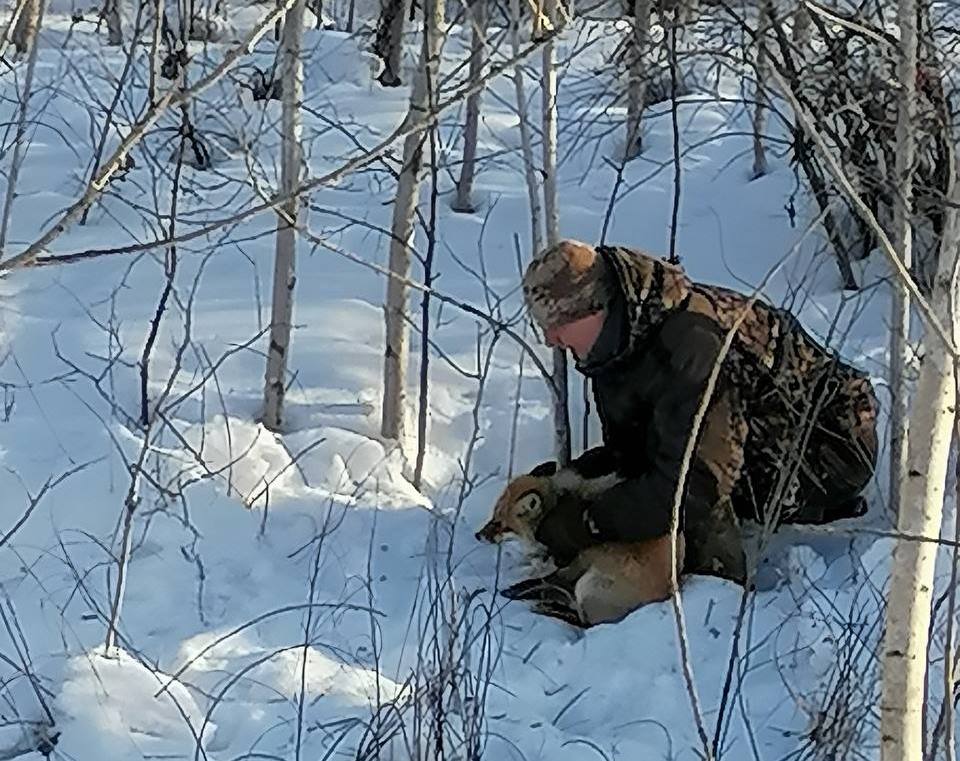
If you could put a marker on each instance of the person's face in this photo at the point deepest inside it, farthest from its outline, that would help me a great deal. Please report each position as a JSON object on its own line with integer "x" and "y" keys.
{"x": 578, "y": 336}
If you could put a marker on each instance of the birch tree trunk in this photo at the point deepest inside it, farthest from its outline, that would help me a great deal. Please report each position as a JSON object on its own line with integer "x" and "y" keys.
{"x": 681, "y": 15}
{"x": 760, "y": 109}
{"x": 900, "y": 317}
{"x": 156, "y": 57}
{"x": 27, "y": 24}
{"x": 637, "y": 77}
{"x": 390, "y": 41}
{"x": 463, "y": 202}
{"x": 111, "y": 14}
{"x": 284, "y": 273}
{"x": 904, "y": 654}
{"x": 526, "y": 145}
{"x": 561, "y": 411}
{"x": 396, "y": 354}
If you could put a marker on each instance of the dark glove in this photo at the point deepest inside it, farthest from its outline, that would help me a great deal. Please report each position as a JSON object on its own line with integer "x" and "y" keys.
{"x": 564, "y": 531}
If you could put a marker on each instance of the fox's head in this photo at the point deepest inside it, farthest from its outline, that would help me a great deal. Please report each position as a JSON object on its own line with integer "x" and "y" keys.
{"x": 518, "y": 511}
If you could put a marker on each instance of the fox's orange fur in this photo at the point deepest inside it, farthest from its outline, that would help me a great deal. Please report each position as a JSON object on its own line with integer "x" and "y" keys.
{"x": 608, "y": 581}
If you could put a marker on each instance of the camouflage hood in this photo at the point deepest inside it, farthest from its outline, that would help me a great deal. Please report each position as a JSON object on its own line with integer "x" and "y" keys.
{"x": 767, "y": 338}
{"x": 648, "y": 289}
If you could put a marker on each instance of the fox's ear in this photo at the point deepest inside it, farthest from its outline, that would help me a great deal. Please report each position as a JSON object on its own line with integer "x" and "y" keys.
{"x": 545, "y": 469}
{"x": 528, "y": 504}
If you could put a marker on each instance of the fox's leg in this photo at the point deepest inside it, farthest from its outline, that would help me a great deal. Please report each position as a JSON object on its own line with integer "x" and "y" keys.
{"x": 558, "y": 585}
{"x": 550, "y": 587}
{"x": 560, "y": 611}
{"x": 523, "y": 589}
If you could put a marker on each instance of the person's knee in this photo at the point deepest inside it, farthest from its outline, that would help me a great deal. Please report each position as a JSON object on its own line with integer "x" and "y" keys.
{"x": 714, "y": 543}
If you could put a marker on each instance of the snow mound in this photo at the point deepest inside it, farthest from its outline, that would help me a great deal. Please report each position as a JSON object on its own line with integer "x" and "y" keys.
{"x": 109, "y": 707}
{"x": 324, "y": 463}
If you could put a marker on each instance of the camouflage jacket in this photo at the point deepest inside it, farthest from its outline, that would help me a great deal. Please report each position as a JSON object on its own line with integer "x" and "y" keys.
{"x": 774, "y": 390}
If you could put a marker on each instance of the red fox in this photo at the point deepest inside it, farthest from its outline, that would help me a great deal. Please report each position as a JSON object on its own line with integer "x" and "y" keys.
{"x": 604, "y": 583}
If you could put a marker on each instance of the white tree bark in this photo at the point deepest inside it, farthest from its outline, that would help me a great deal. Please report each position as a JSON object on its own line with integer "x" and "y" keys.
{"x": 396, "y": 354}
{"x": 464, "y": 202}
{"x": 637, "y": 77}
{"x": 156, "y": 57}
{"x": 526, "y": 144}
{"x": 549, "y": 90}
{"x": 762, "y": 102}
{"x": 26, "y": 26}
{"x": 31, "y": 32}
{"x": 284, "y": 273}
{"x": 904, "y": 654}
{"x": 903, "y": 228}
{"x": 561, "y": 408}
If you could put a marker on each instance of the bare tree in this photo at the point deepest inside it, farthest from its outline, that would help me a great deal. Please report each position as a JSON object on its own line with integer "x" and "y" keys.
{"x": 909, "y": 596}
{"x": 478, "y": 17}
{"x": 389, "y": 40}
{"x": 762, "y": 104}
{"x": 903, "y": 234}
{"x": 284, "y": 273}
{"x": 156, "y": 59}
{"x": 526, "y": 144}
{"x": 111, "y": 14}
{"x": 561, "y": 411}
{"x": 637, "y": 77}
{"x": 31, "y": 32}
{"x": 422, "y": 100}
{"x": 27, "y": 25}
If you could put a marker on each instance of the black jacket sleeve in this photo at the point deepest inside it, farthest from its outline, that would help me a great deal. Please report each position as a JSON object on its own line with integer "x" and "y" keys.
{"x": 596, "y": 462}
{"x": 674, "y": 371}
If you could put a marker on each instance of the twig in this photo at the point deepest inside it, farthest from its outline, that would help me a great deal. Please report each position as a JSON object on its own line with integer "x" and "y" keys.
{"x": 461, "y": 305}
{"x": 17, "y": 159}
{"x": 810, "y": 129}
{"x": 413, "y": 124}
{"x": 692, "y": 440}
{"x": 734, "y": 649}
{"x": 34, "y": 500}
{"x": 424, "y": 400}
{"x": 118, "y": 158}
{"x": 171, "y": 272}
{"x": 112, "y": 108}
{"x": 837, "y": 18}
{"x": 675, "y": 124}
{"x": 25, "y": 667}
{"x": 130, "y": 503}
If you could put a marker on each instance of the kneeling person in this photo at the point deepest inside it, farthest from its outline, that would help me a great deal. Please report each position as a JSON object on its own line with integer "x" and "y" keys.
{"x": 789, "y": 433}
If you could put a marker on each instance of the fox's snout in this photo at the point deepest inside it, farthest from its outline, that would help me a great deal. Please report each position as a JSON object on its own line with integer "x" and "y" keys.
{"x": 489, "y": 533}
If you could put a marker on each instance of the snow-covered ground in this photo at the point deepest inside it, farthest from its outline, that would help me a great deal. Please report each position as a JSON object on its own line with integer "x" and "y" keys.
{"x": 281, "y": 588}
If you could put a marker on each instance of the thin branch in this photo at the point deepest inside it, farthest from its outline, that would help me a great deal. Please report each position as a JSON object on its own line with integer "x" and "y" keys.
{"x": 411, "y": 125}
{"x": 810, "y": 129}
{"x": 50, "y": 483}
{"x": 138, "y": 131}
